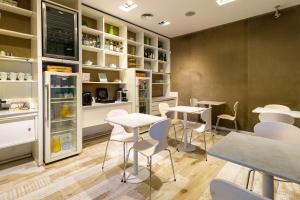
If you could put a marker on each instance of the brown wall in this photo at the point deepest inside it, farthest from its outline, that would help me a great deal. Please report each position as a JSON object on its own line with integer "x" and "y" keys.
{"x": 254, "y": 61}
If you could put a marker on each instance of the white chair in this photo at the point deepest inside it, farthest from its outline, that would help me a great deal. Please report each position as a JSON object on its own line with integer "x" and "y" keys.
{"x": 280, "y": 131}
{"x": 118, "y": 134}
{"x": 205, "y": 116}
{"x": 229, "y": 117}
{"x": 278, "y": 107}
{"x": 163, "y": 110}
{"x": 149, "y": 147}
{"x": 224, "y": 190}
{"x": 276, "y": 117}
{"x": 194, "y": 102}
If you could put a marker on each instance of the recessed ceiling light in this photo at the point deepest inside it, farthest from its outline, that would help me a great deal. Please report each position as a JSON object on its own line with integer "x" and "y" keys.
{"x": 190, "y": 13}
{"x": 147, "y": 16}
{"x": 128, "y": 6}
{"x": 223, "y": 2}
{"x": 164, "y": 23}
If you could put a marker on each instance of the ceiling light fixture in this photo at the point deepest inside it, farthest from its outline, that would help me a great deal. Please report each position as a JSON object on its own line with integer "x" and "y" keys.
{"x": 223, "y": 2}
{"x": 128, "y": 6}
{"x": 147, "y": 16}
{"x": 164, "y": 23}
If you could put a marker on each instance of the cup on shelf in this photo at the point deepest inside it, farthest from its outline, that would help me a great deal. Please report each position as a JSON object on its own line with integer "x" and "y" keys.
{"x": 28, "y": 77}
{"x": 3, "y": 76}
{"x": 12, "y": 76}
{"x": 21, "y": 76}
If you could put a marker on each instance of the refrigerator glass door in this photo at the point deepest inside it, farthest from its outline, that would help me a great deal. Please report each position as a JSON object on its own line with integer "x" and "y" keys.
{"x": 62, "y": 115}
{"x": 143, "y": 95}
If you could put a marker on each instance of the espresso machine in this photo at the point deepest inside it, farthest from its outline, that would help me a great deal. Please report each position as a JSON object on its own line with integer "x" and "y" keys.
{"x": 122, "y": 95}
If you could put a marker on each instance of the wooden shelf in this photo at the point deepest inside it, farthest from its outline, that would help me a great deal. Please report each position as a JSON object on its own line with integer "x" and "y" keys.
{"x": 16, "y": 59}
{"x": 95, "y": 67}
{"x": 16, "y": 10}
{"x": 91, "y": 31}
{"x": 92, "y": 49}
{"x": 114, "y": 37}
{"x": 16, "y": 34}
{"x": 108, "y": 83}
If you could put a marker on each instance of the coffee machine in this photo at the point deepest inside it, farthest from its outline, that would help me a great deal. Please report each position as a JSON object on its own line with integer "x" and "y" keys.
{"x": 122, "y": 95}
{"x": 102, "y": 96}
{"x": 87, "y": 99}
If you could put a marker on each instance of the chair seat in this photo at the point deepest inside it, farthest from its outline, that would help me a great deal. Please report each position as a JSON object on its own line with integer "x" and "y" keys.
{"x": 228, "y": 117}
{"x": 145, "y": 147}
{"x": 200, "y": 129}
{"x": 124, "y": 137}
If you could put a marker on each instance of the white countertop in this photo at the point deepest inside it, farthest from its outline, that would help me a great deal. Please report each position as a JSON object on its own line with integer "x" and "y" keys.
{"x": 97, "y": 105}
{"x": 154, "y": 99}
{"x": 10, "y": 113}
{"x": 272, "y": 157}
{"x": 134, "y": 120}
{"x": 295, "y": 114}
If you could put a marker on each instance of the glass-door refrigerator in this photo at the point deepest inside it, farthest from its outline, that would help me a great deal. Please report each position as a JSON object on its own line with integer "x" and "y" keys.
{"x": 62, "y": 133}
{"x": 143, "y": 94}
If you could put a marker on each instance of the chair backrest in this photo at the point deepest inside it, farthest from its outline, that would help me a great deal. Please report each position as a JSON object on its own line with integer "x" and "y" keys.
{"x": 224, "y": 190}
{"x": 206, "y": 117}
{"x": 193, "y": 102}
{"x": 159, "y": 132}
{"x": 163, "y": 109}
{"x": 278, "y": 107}
{"x": 276, "y": 117}
{"x": 235, "y": 108}
{"x": 283, "y": 132}
{"x": 117, "y": 129}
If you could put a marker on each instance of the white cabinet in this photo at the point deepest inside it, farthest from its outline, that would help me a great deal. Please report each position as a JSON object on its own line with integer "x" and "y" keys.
{"x": 17, "y": 130}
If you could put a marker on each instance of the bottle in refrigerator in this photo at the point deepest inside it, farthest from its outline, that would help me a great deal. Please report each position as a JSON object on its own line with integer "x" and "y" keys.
{"x": 56, "y": 144}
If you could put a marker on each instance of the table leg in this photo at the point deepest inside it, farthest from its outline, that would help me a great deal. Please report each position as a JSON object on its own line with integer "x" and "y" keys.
{"x": 186, "y": 146}
{"x": 136, "y": 173}
{"x": 268, "y": 186}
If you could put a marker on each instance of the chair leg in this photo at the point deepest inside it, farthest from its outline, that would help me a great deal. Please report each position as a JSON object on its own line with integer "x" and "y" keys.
{"x": 191, "y": 136}
{"x": 217, "y": 124}
{"x": 252, "y": 181}
{"x": 175, "y": 134}
{"x": 170, "y": 154}
{"x": 125, "y": 165}
{"x": 150, "y": 177}
{"x": 235, "y": 125}
{"x": 248, "y": 178}
{"x": 105, "y": 154}
{"x": 205, "y": 146}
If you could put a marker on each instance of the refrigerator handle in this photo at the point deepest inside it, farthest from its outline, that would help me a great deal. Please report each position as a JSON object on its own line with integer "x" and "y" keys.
{"x": 47, "y": 102}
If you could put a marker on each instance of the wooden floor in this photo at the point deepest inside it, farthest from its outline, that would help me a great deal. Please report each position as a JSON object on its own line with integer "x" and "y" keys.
{"x": 81, "y": 177}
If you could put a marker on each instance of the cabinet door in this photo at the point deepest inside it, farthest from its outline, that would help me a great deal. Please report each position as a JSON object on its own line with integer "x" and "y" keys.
{"x": 14, "y": 132}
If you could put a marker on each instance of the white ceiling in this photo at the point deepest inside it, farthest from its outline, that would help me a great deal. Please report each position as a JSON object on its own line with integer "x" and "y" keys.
{"x": 208, "y": 12}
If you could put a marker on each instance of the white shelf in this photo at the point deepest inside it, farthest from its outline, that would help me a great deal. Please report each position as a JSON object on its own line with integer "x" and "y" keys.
{"x": 16, "y": 10}
{"x": 63, "y": 153}
{"x": 134, "y": 56}
{"x": 91, "y": 31}
{"x": 63, "y": 120}
{"x": 62, "y": 131}
{"x": 16, "y": 34}
{"x": 150, "y": 59}
{"x": 163, "y": 50}
{"x": 164, "y": 62}
{"x": 149, "y": 46}
{"x": 16, "y": 81}
{"x": 114, "y": 37}
{"x": 16, "y": 59}
{"x": 71, "y": 87}
{"x": 113, "y": 53}
{"x": 160, "y": 83}
{"x": 108, "y": 83}
{"x": 95, "y": 67}
{"x": 131, "y": 42}
{"x": 97, "y": 105}
{"x": 161, "y": 73}
{"x": 8, "y": 113}
{"x": 90, "y": 48}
